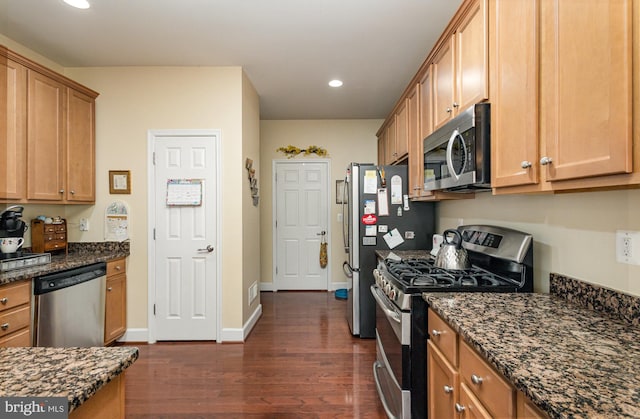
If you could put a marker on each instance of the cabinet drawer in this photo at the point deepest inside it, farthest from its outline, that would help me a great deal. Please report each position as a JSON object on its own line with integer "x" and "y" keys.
{"x": 444, "y": 337}
{"x": 14, "y": 319}
{"x": 21, "y": 338}
{"x": 115, "y": 267}
{"x": 49, "y": 229}
{"x": 54, "y": 245}
{"x": 15, "y": 294}
{"x": 469, "y": 406}
{"x": 60, "y": 228}
{"x": 493, "y": 391}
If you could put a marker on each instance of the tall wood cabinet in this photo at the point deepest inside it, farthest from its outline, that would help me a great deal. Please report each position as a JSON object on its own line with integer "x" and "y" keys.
{"x": 49, "y": 151}
{"x": 561, "y": 94}
{"x": 115, "y": 323}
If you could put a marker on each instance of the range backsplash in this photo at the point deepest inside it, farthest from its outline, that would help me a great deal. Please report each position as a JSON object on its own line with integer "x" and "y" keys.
{"x": 617, "y": 305}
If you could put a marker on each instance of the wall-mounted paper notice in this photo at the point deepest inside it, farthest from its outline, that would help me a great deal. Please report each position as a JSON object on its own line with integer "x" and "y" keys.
{"x": 187, "y": 192}
{"x": 116, "y": 221}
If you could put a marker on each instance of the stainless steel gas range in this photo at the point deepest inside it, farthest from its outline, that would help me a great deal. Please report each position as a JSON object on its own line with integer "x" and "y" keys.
{"x": 502, "y": 261}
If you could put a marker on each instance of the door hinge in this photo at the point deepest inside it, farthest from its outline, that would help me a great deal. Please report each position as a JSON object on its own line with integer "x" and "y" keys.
{"x": 154, "y": 158}
{"x": 154, "y": 309}
{"x": 276, "y": 270}
{"x": 154, "y": 233}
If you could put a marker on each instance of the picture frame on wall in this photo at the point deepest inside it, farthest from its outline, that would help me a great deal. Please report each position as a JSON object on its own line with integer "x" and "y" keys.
{"x": 340, "y": 191}
{"x": 119, "y": 181}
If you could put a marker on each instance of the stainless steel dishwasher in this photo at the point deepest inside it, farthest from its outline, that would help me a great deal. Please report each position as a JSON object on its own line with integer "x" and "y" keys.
{"x": 69, "y": 307}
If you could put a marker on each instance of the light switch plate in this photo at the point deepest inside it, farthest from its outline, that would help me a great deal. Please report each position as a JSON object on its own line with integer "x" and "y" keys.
{"x": 628, "y": 247}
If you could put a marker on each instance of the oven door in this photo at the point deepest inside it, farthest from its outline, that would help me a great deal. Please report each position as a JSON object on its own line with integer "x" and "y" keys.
{"x": 392, "y": 356}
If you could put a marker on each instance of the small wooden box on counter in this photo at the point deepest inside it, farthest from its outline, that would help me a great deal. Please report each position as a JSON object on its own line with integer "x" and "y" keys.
{"x": 48, "y": 237}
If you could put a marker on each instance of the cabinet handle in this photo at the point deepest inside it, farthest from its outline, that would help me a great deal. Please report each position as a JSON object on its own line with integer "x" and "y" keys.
{"x": 455, "y": 104}
{"x": 5, "y": 326}
{"x": 435, "y": 332}
{"x": 525, "y": 164}
{"x": 61, "y": 191}
{"x": 459, "y": 408}
{"x": 4, "y": 300}
{"x": 110, "y": 289}
{"x": 417, "y": 188}
{"x": 448, "y": 110}
{"x": 546, "y": 160}
{"x": 476, "y": 380}
{"x": 448, "y": 389}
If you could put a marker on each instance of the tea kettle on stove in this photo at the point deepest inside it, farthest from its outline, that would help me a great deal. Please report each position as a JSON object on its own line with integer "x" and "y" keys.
{"x": 451, "y": 254}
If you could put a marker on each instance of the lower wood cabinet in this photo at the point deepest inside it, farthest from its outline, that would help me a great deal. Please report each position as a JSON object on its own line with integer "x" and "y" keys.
{"x": 15, "y": 314}
{"x": 107, "y": 403}
{"x": 461, "y": 384}
{"x": 115, "y": 323}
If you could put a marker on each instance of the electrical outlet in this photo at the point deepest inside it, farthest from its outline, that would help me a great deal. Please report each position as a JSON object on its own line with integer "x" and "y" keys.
{"x": 84, "y": 224}
{"x": 253, "y": 292}
{"x": 628, "y": 247}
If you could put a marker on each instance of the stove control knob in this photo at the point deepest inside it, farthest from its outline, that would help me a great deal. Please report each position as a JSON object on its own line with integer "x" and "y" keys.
{"x": 392, "y": 294}
{"x": 387, "y": 288}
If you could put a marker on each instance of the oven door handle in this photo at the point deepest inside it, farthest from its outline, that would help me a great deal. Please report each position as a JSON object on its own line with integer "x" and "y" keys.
{"x": 385, "y": 306}
{"x": 376, "y": 377}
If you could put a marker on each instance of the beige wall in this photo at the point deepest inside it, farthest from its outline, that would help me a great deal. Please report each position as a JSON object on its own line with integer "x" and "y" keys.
{"x": 574, "y": 234}
{"x": 30, "y": 54}
{"x": 345, "y": 140}
{"x": 251, "y": 213}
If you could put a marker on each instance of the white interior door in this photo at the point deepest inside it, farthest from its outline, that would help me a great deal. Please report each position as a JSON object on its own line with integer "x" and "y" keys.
{"x": 185, "y": 256}
{"x": 302, "y": 204}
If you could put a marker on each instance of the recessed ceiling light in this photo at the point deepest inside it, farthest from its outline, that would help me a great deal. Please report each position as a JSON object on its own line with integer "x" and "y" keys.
{"x": 335, "y": 83}
{"x": 80, "y": 4}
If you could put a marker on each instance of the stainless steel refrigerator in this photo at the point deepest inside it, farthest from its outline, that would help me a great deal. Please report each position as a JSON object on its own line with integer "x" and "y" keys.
{"x": 377, "y": 215}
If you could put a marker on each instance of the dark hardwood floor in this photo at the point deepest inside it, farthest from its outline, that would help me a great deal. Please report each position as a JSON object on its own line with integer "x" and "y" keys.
{"x": 300, "y": 361}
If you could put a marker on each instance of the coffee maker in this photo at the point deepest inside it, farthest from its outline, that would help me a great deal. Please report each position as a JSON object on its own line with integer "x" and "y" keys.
{"x": 12, "y": 226}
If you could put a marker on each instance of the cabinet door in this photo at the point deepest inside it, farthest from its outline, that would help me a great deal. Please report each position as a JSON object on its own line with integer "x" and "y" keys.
{"x": 586, "y": 90}
{"x": 115, "y": 322}
{"x": 80, "y": 185}
{"x": 415, "y": 144}
{"x": 443, "y": 82}
{"x": 45, "y": 138}
{"x": 13, "y": 146}
{"x": 514, "y": 92}
{"x": 382, "y": 148}
{"x": 472, "y": 57}
{"x": 402, "y": 131}
{"x": 390, "y": 138}
{"x": 442, "y": 384}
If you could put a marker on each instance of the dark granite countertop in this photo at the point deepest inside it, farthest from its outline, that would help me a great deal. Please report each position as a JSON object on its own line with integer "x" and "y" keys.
{"x": 74, "y": 373}
{"x": 571, "y": 361}
{"x": 80, "y": 254}
{"x": 405, "y": 254}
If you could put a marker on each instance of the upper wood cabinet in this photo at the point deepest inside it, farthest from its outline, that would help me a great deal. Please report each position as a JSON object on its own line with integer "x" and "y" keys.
{"x": 461, "y": 65}
{"x": 49, "y": 151}
{"x": 562, "y": 95}
{"x": 13, "y": 145}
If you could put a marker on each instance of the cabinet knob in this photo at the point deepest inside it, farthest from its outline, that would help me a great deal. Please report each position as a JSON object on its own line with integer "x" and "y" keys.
{"x": 61, "y": 191}
{"x": 459, "y": 408}
{"x": 546, "y": 160}
{"x": 476, "y": 380}
{"x": 448, "y": 110}
{"x": 110, "y": 289}
{"x": 4, "y": 300}
{"x": 4, "y": 326}
{"x": 118, "y": 268}
{"x": 525, "y": 164}
{"x": 73, "y": 192}
{"x": 455, "y": 104}
{"x": 435, "y": 332}
{"x": 448, "y": 389}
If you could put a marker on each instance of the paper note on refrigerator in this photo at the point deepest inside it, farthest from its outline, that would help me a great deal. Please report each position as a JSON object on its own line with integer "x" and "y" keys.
{"x": 383, "y": 203}
{"x": 396, "y": 190}
{"x": 393, "y": 238}
{"x": 370, "y": 181}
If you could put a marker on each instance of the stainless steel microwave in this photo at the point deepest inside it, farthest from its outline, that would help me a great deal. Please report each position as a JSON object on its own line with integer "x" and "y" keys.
{"x": 457, "y": 155}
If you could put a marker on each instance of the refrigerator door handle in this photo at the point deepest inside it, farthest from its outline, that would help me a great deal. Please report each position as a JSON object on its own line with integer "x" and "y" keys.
{"x": 345, "y": 222}
{"x": 348, "y": 270}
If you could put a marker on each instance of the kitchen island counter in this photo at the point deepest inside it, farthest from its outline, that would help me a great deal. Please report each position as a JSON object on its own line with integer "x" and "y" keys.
{"x": 80, "y": 254}
{"x": 74, "y": 373}
{"x": 568, "y": 359}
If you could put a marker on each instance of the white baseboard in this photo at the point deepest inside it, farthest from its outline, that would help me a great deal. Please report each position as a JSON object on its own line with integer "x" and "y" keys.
{"x": 268, "y": 286}
{"x": 240, "y": 335}
{"x": 135, "y": 335}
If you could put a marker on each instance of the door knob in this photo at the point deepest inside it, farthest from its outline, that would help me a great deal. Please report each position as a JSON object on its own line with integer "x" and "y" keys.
{"x": 209, "y": 249}
{"x": 322, "y": 233}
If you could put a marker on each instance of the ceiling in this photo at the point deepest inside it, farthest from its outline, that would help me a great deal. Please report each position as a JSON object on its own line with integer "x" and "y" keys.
{"x": 289, "y": 49}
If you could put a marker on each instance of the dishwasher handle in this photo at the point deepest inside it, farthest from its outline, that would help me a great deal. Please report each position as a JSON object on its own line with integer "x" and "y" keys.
{"x": 59, "y": 280}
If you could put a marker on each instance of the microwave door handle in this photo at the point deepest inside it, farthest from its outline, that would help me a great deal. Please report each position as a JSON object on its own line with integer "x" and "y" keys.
{"x": 454, "y": 134}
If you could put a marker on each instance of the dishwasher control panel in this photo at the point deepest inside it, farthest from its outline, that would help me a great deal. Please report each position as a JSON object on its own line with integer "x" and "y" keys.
{"x": 68, "y": 278}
